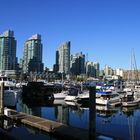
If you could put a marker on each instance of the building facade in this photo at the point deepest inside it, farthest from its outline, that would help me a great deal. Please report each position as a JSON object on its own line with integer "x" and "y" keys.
{"x": 56, "y": 65}
{"x": 64, "y": 58}
{"x": 77, "y": 66}
{"x": 32, "y": 57}
{"x": 108, "y": 71}
{"x": 92, "y": 69}
{"x": 8, "y": 60}
{"x": 119, "y": 72}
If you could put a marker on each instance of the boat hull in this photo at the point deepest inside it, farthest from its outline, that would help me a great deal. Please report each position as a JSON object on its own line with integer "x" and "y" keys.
{"x": 10, "y": 98}
{"x": 130, "y": 103}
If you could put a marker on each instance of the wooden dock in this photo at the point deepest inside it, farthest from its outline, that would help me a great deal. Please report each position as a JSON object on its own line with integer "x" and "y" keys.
{"x": 56, "y": 129}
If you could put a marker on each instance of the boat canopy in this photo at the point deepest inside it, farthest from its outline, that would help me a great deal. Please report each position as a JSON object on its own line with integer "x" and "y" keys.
{"x": 103, "y": 92}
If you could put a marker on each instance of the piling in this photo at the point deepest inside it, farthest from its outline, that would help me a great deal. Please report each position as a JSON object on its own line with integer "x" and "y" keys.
{"x": 92, "y": 113}
{"x": 1, "y": 98}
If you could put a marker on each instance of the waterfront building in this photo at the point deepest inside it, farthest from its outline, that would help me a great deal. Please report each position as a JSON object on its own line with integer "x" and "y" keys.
{"x": 101, "y": 73}
{"x": 119, "y": 72}
{"x": 56, "y": 65}
{"x": 8, "y": 60}
{"x": 97, "y": 69}
{"x": 64, "y": 58}
{"x": 77, "y": 65}
{"x": 108, "y": 71}
{"x": 20, "y": 63}
{"x": 92, "y": 69}
{"x": 32, "y": 57}
{"x": 131, "y": 75}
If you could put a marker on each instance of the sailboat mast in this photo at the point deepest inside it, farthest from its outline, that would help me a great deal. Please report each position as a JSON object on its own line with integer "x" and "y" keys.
{"x": 133, "y": 72}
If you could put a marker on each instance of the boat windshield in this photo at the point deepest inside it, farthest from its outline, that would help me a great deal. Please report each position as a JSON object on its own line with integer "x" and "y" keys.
{"x": 8, "y": 88}
{"x": 3, "y": 78}
{"x": 104, "y": 92}
{"x": 108, "y": 96}
{"x": 73, "y": 92}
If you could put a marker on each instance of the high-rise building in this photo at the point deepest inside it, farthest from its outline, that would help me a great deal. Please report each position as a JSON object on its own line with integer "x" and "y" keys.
{"x": 92, "y": 69}
{"x": 32, "y": 57}
{"x": 56, "y": 65}
{"x": 97, "y": 69}
{"x": 64, "y": 58}
{"x": 8, "y": 60}
{"x": 108, "y": 70}
{"x": 78, "y": 64}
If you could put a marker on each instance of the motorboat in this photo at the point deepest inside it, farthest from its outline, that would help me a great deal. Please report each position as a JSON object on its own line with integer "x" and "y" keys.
{"x": 11, "y": 94}
{"x": 72, "y": 94}
{"x": 21, "y": 84}
{"x": 108, "y": 97}
{"x": 7, "y": 81}
{"x": 130, "y": 100}
{"x": 60, "y": 95}
{"x": 83, "y": 97}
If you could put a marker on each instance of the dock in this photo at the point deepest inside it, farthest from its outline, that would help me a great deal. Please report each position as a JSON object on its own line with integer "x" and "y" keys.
{"x": 55, "y": 129}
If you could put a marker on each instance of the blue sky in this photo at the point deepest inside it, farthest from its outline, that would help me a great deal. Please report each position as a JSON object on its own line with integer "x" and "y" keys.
{"x": 106, "y": 30}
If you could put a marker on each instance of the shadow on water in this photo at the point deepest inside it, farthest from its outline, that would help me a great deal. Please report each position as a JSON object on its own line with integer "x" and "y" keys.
{"x": 37, "y": 101}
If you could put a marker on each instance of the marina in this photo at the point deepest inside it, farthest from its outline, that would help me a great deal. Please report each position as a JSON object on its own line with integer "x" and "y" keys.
{"x": 68, "y": 70}
{"x": 110, "y": 121}
{"x": 60, "y": 118}
{"x": 55, "y": 128}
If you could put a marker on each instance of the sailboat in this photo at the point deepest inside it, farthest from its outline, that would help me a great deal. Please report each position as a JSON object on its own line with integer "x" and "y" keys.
{"x": 131, "y": 97}
{"x": 61, "y": 95}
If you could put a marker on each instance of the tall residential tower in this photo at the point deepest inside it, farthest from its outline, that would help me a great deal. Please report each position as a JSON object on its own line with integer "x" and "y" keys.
{"x": 32, "y": 57}
{"x": 8, "y": 58}
{"x": 78, "y": 64}
{"x": 64, "y": 58}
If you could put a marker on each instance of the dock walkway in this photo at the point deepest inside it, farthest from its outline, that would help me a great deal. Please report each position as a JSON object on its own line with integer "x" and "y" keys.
{"x": 56, "y": 129}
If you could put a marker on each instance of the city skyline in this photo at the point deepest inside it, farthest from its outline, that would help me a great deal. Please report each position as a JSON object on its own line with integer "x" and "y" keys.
{"x": 105, "y": 30}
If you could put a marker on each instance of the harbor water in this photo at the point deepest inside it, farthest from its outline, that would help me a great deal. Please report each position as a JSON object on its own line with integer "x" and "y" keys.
{"x": 111, "y": 122}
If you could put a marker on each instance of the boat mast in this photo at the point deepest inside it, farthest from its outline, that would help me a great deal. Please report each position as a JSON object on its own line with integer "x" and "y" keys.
{"x": 133, "y": 72}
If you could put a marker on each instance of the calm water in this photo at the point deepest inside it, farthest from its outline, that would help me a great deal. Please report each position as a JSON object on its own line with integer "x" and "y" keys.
{"x": 117, "y": 122}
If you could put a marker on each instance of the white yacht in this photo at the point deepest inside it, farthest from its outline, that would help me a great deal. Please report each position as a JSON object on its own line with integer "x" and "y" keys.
{"x": 72, "y": 94}
{"x": 7, "y": 81}
{"x": 21, "y": 84}
{"x": 83, "y": 97}
{"x": 10, "y": 93}
{"x": 11, "y": 96}
{"x": 60, "y": 95}
{"x": 108, "y": 97}
{"x": 130, "y": 99}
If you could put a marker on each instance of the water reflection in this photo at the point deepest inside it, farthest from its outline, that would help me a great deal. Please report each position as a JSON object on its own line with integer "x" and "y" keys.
{"x": 129, "y": 111}
{"x": 110, "y": 121}
{"x": 10, "y": 130}
{"x": 133, "y": 121}
{"x": 105, "y": 113}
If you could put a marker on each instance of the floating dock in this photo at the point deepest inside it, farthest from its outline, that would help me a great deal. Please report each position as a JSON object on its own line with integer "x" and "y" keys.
{"x": 56, "y": 129}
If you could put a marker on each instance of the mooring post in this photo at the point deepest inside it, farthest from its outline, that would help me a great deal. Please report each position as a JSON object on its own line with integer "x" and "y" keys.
{"x": 92, "y": 113}
{"x": 2, "y": 98}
